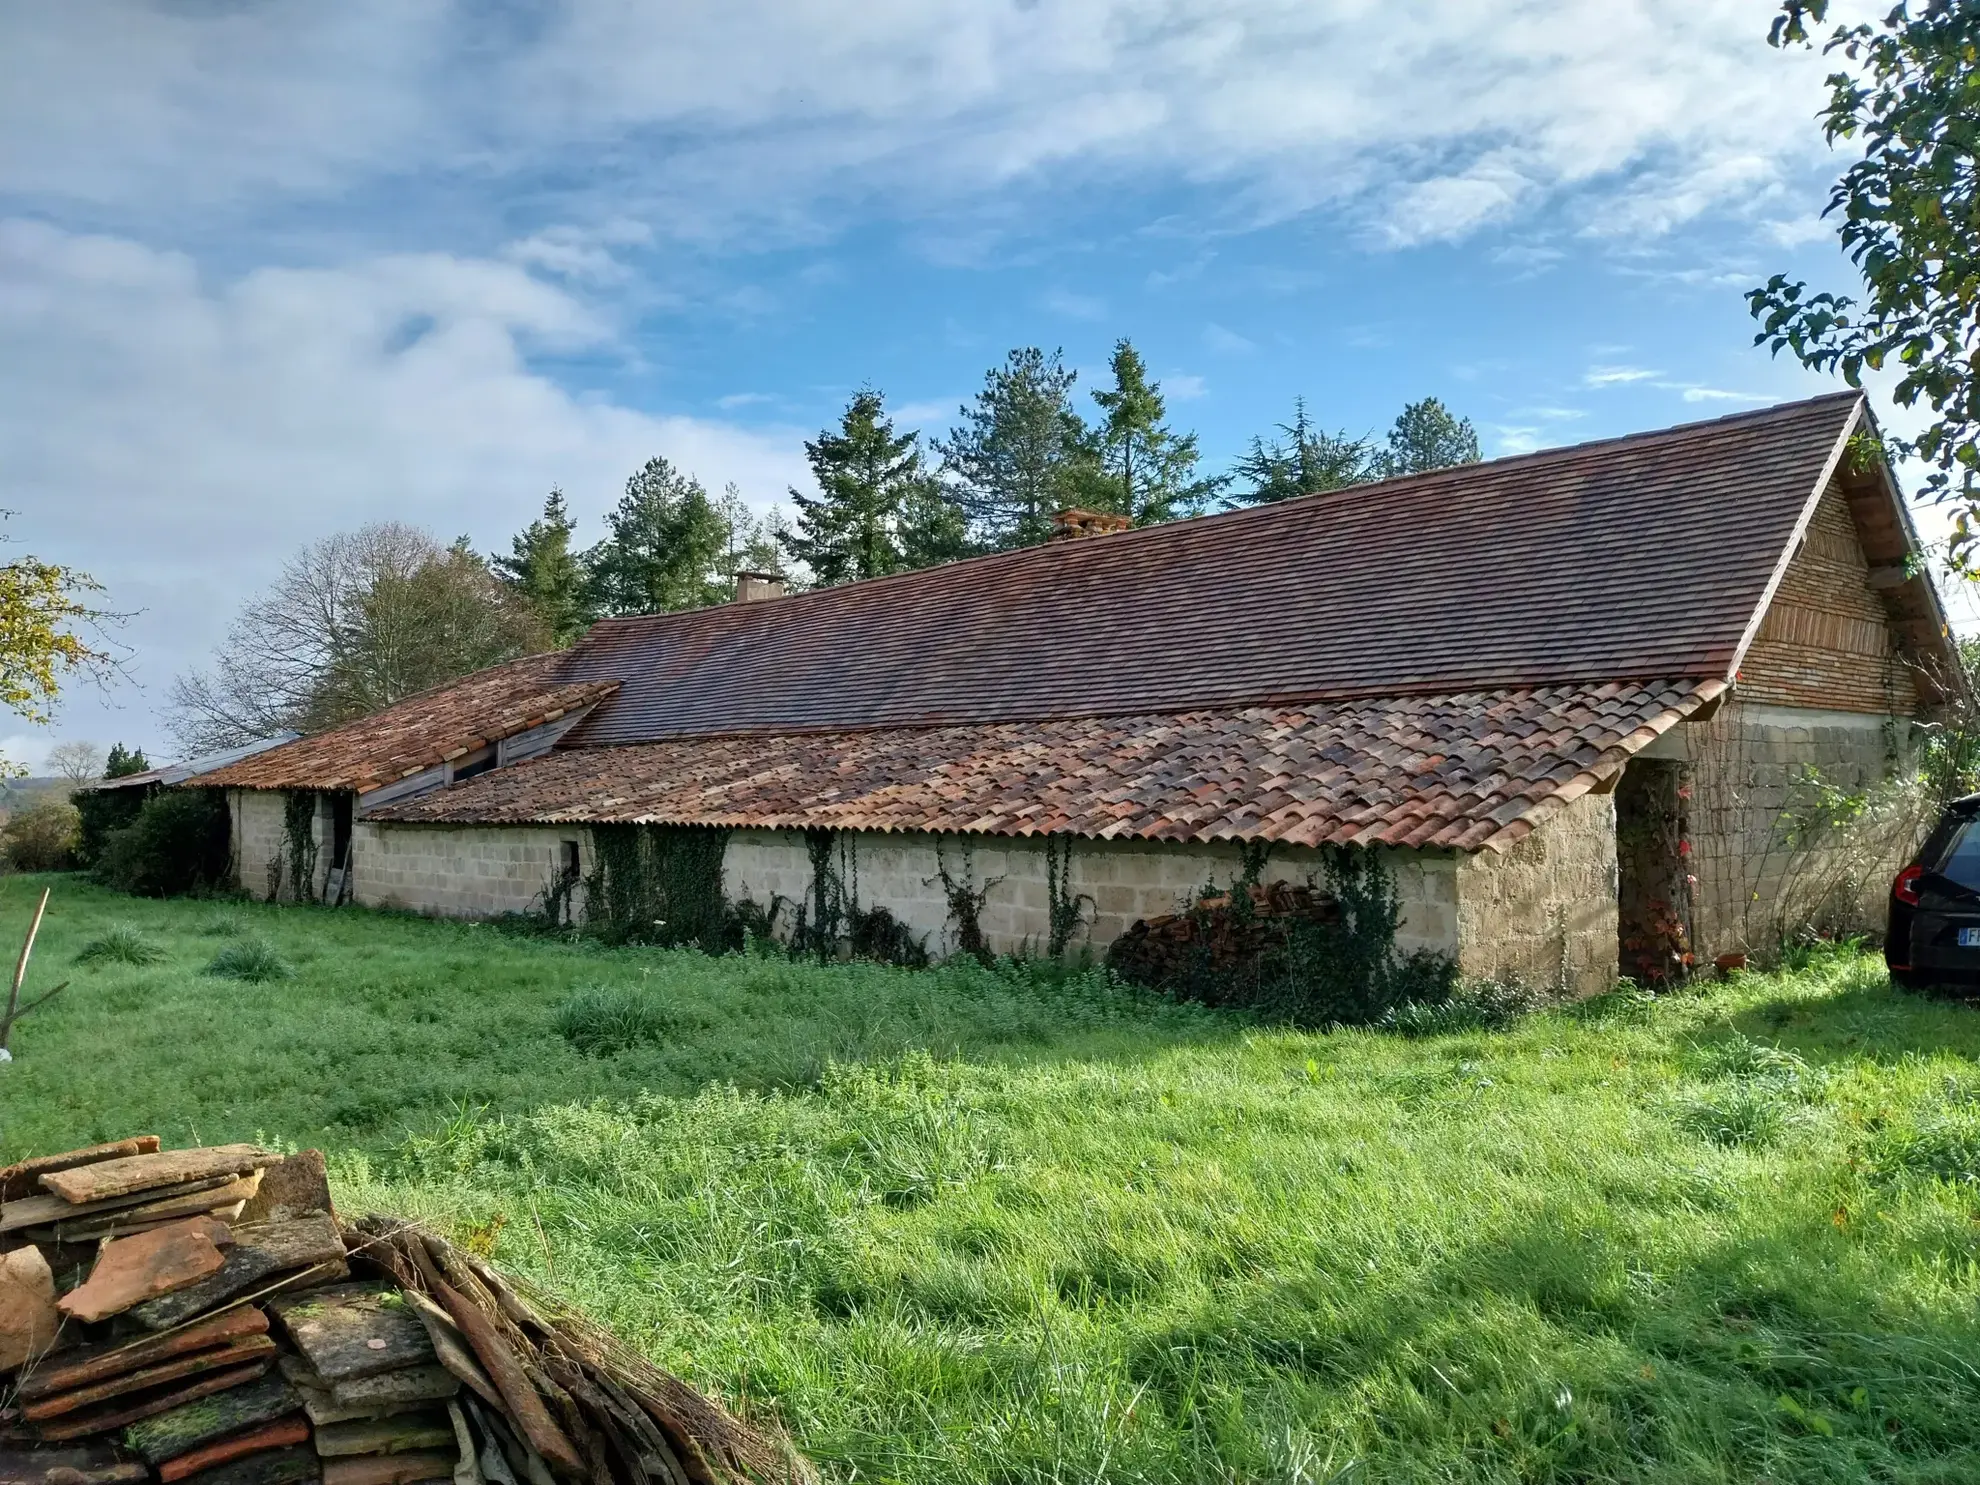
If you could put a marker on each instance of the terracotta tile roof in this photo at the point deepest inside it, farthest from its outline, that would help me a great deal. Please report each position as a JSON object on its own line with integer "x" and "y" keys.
{"x": 1469, "y": 770}
{"x": 1632, "y": 559}
{"x": 422, "y": 730}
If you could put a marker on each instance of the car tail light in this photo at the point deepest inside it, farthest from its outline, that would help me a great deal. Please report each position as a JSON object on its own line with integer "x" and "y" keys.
{"x": 1905, "y": 888}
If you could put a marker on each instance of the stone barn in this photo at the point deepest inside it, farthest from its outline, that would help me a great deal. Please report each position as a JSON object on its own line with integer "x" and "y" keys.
{"x": 1568, "y": 698}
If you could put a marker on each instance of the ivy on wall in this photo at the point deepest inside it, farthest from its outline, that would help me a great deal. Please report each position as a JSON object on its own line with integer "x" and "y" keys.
{"x": 660, "y": 884}
{"x": 299, "y": 808}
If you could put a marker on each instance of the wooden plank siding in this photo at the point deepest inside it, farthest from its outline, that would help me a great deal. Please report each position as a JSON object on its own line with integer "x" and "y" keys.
{"x": 1827, "y": 641}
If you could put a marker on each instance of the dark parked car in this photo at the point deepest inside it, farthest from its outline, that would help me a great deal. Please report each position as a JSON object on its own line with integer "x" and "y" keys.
{"x": 1934, "y": 930}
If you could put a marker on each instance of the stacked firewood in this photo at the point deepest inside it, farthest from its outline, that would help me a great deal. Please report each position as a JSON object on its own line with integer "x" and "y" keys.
{"x": 204, "y": 1316}
{"x": 1219, "y": 936}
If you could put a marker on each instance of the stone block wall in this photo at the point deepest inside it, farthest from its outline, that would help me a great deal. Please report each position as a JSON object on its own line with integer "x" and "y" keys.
{"x": 256, "y": 822}
{"x": 1124, "y": 881}
{"x": 1545, "y": 910}
{"x": 460, "y": 871}
{"x": 1747, "y": 770}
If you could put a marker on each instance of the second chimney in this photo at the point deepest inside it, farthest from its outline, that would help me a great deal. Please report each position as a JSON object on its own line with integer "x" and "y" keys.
{"x": 753, "y": 587}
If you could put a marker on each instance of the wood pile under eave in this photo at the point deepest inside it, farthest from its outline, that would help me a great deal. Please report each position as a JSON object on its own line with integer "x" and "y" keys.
{"x": 204, "y": 1316}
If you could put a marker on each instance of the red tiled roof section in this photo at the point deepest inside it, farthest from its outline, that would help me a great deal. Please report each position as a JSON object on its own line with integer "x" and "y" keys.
{"x": 1634, "y": 559}
{"x": 420, "y": 731}
{"x": 1467, "y": 771}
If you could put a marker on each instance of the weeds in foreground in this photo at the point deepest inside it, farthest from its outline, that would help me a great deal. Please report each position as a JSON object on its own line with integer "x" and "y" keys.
{"x": 604, "y": 1019}
{"x": 250, "y": 959}
{"x": 121, "y": 943}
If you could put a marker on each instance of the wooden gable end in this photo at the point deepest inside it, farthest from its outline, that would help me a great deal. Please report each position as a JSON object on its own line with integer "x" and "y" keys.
{"x": 1828, "y": 640}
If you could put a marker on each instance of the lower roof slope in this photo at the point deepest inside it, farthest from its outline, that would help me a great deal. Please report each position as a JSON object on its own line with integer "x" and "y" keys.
{"x": 420, "y": 731}
{"x": 1474, "y": 770}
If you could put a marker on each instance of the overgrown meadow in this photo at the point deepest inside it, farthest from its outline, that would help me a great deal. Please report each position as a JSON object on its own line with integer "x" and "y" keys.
{"x": 1002, "y": 1225}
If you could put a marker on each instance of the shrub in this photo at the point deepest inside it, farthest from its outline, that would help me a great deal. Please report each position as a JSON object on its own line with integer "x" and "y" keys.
{"x": 41, "y": 837}
{"x": 607, "y": 1019}
{"x": 100, "y": 812}
{"x": 177, "y": 845}
{"x": 1477, "y": 1005}
{"x": 249, "y": 959}
{"x": 122, "y": 944}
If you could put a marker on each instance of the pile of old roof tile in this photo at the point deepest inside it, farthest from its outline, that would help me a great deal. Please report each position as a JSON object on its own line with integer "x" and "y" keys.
{"x": 1219, "y": 938}
{"x": 203, "y": 1316}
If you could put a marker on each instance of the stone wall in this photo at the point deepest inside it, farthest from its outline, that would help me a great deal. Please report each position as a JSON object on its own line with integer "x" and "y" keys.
{"x": 459, "y": 871}
{"x": 1544, "y": 911}
{"x": 1759, "y": 852}
{"x": 1123, "y": 882}
{"x": 260, "y": 839}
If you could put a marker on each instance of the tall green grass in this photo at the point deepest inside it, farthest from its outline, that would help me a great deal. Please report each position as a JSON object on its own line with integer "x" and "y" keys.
{"x": 974, "y": 1226}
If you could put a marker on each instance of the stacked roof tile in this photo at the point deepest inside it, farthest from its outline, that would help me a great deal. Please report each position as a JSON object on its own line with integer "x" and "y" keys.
{"x": 1468, "y": 770}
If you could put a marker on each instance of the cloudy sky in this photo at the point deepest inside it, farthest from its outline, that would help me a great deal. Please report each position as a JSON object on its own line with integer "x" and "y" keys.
{"x": 270, "y": 270}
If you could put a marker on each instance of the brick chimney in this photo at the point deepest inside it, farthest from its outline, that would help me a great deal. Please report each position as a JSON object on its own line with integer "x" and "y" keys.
{"x": 1070, "y": 524}
{"x": 753, "y": 587}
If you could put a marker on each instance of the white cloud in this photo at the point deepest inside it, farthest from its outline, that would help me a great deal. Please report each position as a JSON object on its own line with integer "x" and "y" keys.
{"x": 1715, "y": 394}
{"x": 1180, "y": 386}
{"x": 1073, "y": 306}
{"x": 1226, "y": 342}
{"x": 178, "y": 438}
{"x": 709, "y": 118}
{"x": 1611, "y": 376}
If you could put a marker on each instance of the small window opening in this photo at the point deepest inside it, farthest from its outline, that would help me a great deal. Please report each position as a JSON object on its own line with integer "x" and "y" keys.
{"x": 572, "y": 867}
{"x": 479, "y": 766}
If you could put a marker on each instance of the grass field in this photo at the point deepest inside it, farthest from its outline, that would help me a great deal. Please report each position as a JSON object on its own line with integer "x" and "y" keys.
{"x": 973, "y": 1226}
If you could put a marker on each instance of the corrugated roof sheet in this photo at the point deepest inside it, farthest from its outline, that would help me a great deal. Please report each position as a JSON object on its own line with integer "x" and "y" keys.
{"x": 1636, "y": 558}
{"x": 1469, "y": 770}
{"x": 445, "y": 722}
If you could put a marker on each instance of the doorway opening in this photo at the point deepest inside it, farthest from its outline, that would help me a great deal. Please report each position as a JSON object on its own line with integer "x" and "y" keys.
{"x": 1653, "y": 883}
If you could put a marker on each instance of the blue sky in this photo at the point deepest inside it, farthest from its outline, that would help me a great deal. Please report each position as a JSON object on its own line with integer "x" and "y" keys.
{"x": 270, "y": 270}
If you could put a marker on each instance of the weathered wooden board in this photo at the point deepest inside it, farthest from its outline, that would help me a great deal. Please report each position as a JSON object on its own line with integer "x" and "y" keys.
{"x": 415, "y": 1384}
{"x": 181, "y": 1430}
{"x": 128, "y": 1411}
{"x": 355, "y": 1330}
{"x": 518, "y": 1394}
{"x": 259, "y": 1255}
{"x": 29, "y": 1319}
{"x": 131, "y": 1270}
{"x": 81, "y": 1367}
{"x": 234, "y": 1194}
{"x": 451, "y": 1348}
{"x": 289, "y": 1466}
{"x": 396, "y": 1435}
{"x": 89, "y": 1464}
{"x": 390, "y": 1469}
{"x": 291, "y": 1188}
{"x": 250, "y": 1348}
{"x": 24, "y": 1178}
{"x": 51, "y": 1211}
{"x": 280, "y": 1434}
{"x": 85, "y": 1183}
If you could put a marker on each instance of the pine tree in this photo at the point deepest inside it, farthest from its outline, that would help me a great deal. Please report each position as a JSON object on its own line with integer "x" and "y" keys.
{"x": 663, "y": 547}
{"x": 747, "y": 541}
{"x": 873, "y": 492}
{"x": 1306, "y": 461}
{"x": 1145, "y": 471}
{"x": 546, "y": 574}
{"x": 1014, "y": 459}
{"x": 123, "y": 762}
{"x": 1428, "y": 436}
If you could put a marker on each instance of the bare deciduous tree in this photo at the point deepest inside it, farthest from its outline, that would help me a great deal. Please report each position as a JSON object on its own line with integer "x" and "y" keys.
{"x": 353, "y": 623}
{"x": 78, "y": 762}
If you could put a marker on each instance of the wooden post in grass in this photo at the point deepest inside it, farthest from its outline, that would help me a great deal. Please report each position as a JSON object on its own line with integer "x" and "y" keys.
{"x": 15, "y": 1010}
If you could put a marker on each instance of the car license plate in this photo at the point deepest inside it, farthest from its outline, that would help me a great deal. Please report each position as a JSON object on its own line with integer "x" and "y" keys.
{"x": 1969, "y": 938}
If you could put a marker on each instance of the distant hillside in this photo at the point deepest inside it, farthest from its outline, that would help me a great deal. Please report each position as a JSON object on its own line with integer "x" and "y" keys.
{"x": 16, "y": 794}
